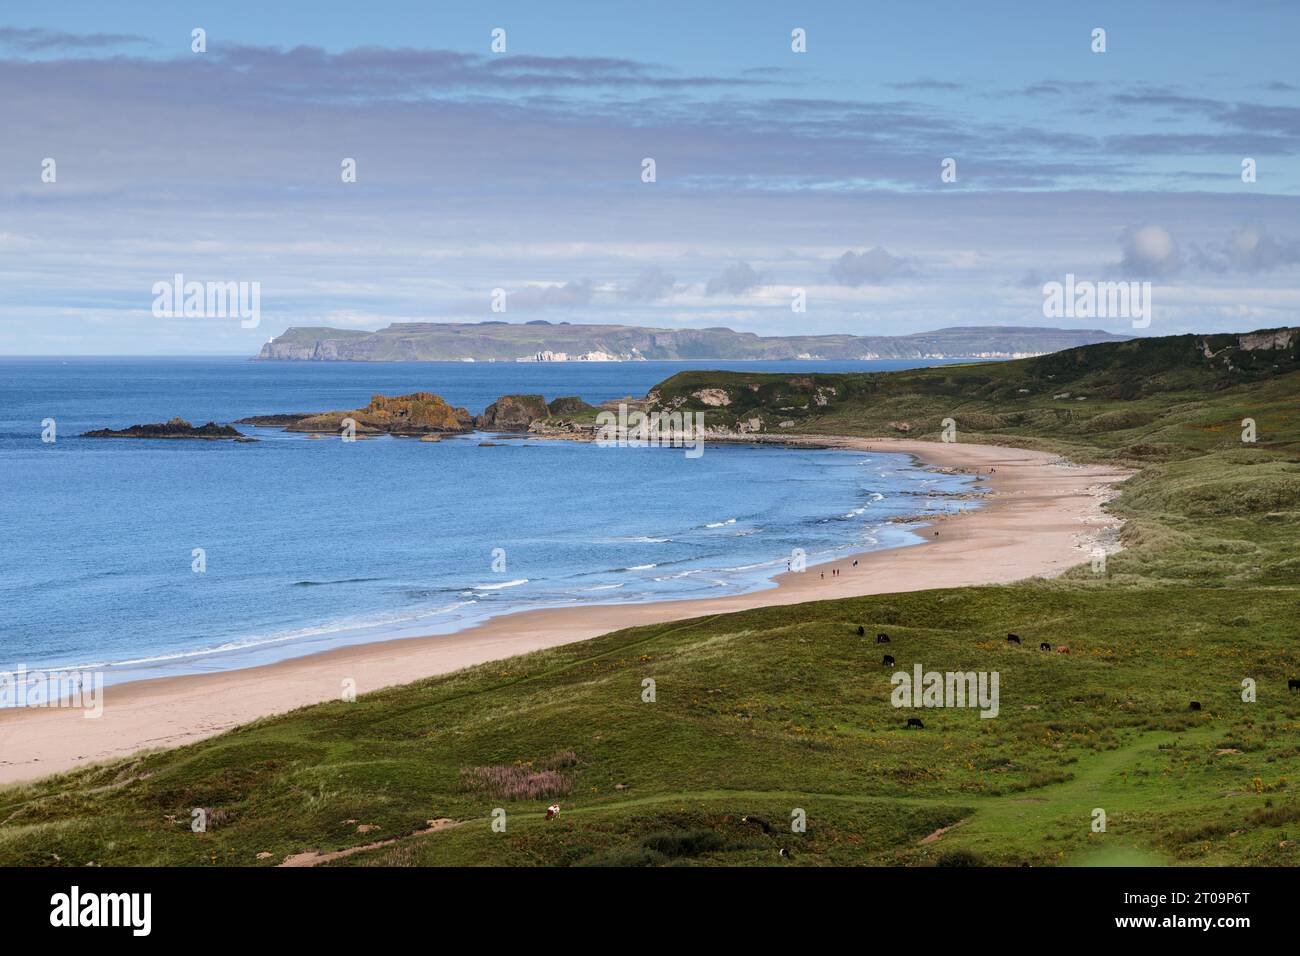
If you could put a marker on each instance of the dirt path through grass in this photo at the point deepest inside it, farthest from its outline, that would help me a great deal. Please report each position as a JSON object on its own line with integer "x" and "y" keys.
{"x": 988, "y": 823}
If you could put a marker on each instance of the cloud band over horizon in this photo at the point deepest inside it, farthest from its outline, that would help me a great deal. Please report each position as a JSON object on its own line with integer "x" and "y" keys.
{"x": 523, "y": 171}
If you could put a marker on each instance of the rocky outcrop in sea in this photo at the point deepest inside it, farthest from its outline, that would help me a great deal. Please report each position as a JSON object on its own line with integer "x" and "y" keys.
{"x": 420, "y": 413}
{"x": 173, "y": 428}
{"x": 512, "y": 413}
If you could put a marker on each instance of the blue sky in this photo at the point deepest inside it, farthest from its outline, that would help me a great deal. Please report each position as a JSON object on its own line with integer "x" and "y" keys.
{"x": 776, "y": 171}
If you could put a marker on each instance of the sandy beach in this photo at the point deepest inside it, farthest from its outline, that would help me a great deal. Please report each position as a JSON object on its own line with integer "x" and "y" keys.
{"x": 1042, "y": 515}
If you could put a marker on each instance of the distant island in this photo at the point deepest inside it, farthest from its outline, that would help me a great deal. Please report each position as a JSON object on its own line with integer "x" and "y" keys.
{"x": 543, "y": 341}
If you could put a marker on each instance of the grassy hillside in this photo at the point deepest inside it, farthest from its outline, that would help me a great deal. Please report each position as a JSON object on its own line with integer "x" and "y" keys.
{"x": 1137, "y": 401}
{"x": 772, "y": 711}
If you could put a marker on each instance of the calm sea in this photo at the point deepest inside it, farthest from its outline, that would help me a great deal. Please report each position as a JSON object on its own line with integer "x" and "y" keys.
{"x": 310, "y": 544}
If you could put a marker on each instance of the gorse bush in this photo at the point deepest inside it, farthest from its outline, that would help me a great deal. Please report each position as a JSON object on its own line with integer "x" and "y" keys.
{"x": 684, "y": 842}
{"x": 666, "y": 847}
{"x": 959, "y": 858}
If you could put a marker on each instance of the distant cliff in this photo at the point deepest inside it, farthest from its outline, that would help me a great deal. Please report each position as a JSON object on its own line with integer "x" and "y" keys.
{"x": 547, "y": 342}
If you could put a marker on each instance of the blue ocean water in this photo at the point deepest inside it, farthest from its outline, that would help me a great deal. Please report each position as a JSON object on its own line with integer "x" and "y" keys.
{"x": 310, "y": 544}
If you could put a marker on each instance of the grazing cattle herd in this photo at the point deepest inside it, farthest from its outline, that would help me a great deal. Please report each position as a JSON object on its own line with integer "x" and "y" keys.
{"x": 1293, "y": 683}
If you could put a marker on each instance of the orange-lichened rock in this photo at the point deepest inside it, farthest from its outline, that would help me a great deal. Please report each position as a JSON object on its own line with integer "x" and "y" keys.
{"x": 419, "y": 413}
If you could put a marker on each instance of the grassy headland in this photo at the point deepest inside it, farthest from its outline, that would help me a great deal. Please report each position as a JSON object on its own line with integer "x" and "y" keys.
{"x": 771, "y": 711}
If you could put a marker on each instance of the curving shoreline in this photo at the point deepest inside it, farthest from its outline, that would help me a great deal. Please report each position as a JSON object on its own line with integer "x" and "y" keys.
{"x": 1040, "y": 518}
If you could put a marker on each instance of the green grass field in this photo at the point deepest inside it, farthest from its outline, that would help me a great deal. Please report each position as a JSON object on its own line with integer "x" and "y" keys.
{"x": 781, "y": 711}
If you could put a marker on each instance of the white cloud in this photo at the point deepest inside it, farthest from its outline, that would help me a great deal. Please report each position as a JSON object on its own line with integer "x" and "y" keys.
{"x": 737, "y": 279}
{"x": 870, "y": 267}
{"x": 1150, "y": 251}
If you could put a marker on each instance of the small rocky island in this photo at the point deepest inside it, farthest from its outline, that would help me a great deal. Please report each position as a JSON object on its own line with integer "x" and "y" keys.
{"x": 274, "y": 421}
{"x": 417, "y": 414}
{"x": 175, "y": 428}
{"x": 520, "y": 413}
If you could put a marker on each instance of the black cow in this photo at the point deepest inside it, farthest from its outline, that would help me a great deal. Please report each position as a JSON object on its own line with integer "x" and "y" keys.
{"x": 882, "y": 638}
{"x": 862, "y": 631}
{"x": 757, "y": 822}
{"x": 1196, "y": 705}
{"x": 1293, "y": 684}
{"x": 1044, "y": 646}
{"x": 1013, "y": 639}
{"x": 915, "y": 722}
{"x": 888, "y": 659}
